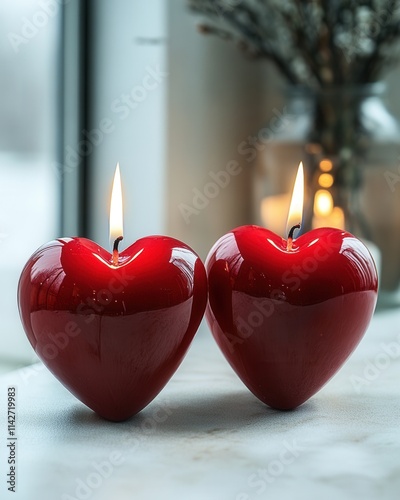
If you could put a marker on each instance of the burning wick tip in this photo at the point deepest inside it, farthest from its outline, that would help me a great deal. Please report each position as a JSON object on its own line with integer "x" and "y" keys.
{"x": 290, "y": 236}
{"x": 115, "y": 250}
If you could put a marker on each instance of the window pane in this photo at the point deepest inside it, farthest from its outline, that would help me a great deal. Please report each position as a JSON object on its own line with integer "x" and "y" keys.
{"x": 29, "y": 188}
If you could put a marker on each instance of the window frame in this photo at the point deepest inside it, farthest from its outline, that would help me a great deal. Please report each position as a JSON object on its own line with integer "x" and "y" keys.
{"x": 74, "y": 99}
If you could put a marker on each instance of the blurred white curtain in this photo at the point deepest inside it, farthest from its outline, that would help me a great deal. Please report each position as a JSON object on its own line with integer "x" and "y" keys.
{"x": 29, "y": 187}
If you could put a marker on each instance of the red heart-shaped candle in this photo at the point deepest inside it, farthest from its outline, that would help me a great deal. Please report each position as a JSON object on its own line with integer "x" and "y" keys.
{"x": 287, "y": 319}
{"x": 113, "y": 335}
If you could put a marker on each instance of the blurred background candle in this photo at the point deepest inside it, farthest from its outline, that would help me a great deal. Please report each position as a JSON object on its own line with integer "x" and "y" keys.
{"x": 325, "y": 214}
{"x": 274, "y": 211}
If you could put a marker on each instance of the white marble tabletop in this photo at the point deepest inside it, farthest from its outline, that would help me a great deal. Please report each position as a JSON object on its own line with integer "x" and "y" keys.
{"x": 207, "y": 437}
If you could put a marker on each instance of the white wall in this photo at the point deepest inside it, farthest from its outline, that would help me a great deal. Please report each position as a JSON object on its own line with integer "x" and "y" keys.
{"x": 129, "y": 44}
{"x": 216, "y": 99}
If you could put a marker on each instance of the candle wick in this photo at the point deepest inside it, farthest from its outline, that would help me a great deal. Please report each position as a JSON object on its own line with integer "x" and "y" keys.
{"x": 290, "y": 237}
{"x": 115, "y": 250}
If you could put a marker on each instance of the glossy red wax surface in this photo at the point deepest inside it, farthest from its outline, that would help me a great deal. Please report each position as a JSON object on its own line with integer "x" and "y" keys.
{"x": 113, "y": 335}
{"x": 287, "y": 320}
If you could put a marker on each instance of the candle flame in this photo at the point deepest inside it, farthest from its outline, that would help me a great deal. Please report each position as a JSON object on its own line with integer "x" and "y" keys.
{"x": 296, "y": 205}
{"x": 116, "y": 211}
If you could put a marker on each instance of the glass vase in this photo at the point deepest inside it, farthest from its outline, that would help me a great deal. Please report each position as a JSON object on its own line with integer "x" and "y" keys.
{"x": 349, "y": 143}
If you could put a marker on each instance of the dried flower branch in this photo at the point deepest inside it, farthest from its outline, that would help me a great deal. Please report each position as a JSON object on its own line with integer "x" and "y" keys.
{"x": 312, "y": 42}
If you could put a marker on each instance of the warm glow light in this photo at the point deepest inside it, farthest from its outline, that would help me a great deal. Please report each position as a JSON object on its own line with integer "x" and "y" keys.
{"x": 325, "y": 180}
{"x": 116, "y": 214}
{"x": 334, "y": 219}
{"x": 338, "y": 218}
{"x": 325, "y": 165}
{"x": 274, "y": 212}
{"x": 296, "y": 205}
{"x": 323, "y": 203}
